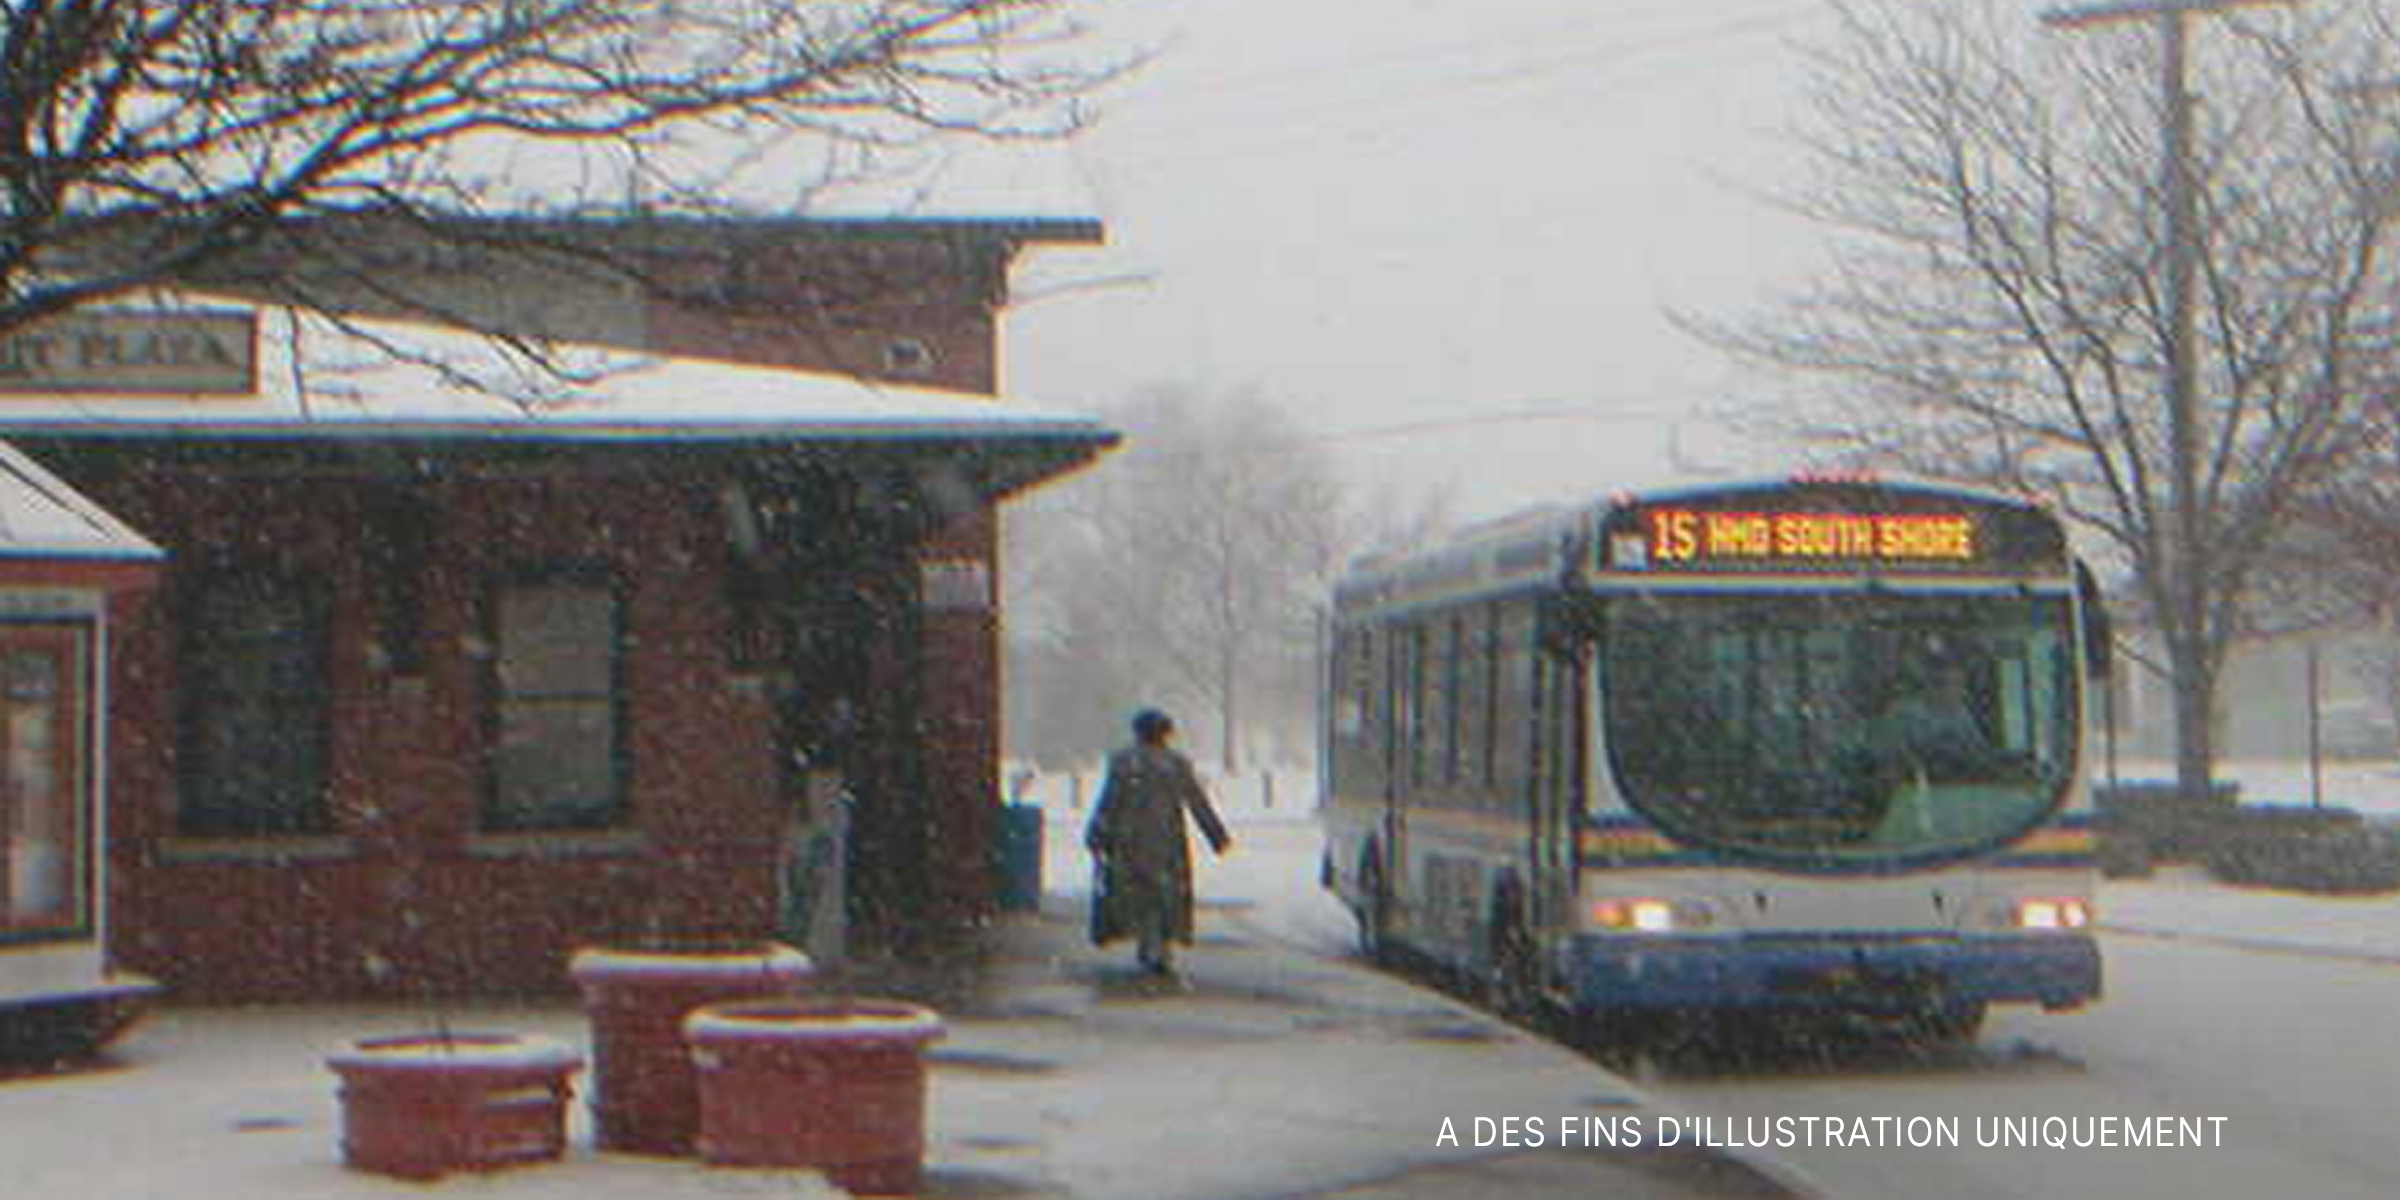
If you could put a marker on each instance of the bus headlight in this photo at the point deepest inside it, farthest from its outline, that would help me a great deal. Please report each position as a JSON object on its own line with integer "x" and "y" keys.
{"x": 2057, "y": 912}
{"x": 1647, "y": 915}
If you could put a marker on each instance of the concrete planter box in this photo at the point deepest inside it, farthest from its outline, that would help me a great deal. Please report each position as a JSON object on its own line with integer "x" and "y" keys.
{"x": 837, "y": 1085}
{"x": 645, "y": 1098}
{"x": 426, "y": 1105}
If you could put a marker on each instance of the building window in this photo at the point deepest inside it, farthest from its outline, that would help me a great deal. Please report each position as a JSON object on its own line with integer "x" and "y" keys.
{"x": 45, "y": 840}
{"x": 557, "y": 735}
{"x": 253, "y": 689}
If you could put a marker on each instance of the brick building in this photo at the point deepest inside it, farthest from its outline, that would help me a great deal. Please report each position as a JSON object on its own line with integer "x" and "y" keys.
{"x": 68, "y": 571}
{"x": 458, "y": 665}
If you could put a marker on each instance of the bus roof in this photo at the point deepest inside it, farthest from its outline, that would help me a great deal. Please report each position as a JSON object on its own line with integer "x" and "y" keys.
{"x": 1834, "y": 525}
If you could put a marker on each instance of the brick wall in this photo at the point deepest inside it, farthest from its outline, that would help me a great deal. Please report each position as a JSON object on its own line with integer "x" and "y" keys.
{"x": 914, "y": 311}
{"x": 404, "y": 895}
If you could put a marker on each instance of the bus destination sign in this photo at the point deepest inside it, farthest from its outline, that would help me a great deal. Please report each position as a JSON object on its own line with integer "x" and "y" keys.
{"x": 1676, "y": 538}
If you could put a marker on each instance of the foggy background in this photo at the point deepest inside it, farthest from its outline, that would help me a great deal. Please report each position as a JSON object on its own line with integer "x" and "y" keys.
{"x": 1441, "y": 235}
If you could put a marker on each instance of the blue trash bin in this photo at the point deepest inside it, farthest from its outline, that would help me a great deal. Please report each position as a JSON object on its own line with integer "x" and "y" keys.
{"x": 1020, "y": 849}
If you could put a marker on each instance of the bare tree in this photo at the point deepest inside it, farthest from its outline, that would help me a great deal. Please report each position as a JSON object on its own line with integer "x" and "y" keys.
{"x": 1192, "y": 565}
{"x": 1994, "y": 308}
{"x": 145, "y": 141}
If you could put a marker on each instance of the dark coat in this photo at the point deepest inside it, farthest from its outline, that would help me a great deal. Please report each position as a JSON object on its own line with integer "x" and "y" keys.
{"x": 1137, "y": 837}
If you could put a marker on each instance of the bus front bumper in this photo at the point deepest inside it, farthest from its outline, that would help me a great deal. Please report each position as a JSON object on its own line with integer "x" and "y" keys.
{"x": 1832, "y": 972}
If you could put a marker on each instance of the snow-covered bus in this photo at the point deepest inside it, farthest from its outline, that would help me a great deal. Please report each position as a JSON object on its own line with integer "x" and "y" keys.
{"x": 1813, "y": 745}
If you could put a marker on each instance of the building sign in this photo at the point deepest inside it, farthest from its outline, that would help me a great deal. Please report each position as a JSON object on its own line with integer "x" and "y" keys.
{"x": 1683, "y": 536}
{"x": 133, "y": 353}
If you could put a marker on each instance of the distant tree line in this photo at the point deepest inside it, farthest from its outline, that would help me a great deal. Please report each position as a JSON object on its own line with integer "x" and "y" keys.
{"x": 1189, "y": 570}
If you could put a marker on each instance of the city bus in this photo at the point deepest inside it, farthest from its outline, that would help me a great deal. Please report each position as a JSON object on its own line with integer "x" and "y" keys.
{"x": 1806, "y": 746}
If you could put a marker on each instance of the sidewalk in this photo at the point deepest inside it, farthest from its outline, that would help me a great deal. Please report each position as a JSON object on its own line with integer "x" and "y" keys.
{"x": 2185, "y": 904}
{"x": 1265, "y": 1073}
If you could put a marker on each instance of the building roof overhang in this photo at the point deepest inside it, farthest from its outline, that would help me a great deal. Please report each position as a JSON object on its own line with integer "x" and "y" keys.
{"x": 52, "y": 536}
{"x": 367, "y": 387}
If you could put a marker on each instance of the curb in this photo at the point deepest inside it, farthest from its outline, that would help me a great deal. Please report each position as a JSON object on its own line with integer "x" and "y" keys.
{"x": 2232, "y": 941}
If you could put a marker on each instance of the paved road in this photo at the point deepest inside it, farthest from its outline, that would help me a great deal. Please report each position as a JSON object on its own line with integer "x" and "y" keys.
{"x": 2289, "y": 1050}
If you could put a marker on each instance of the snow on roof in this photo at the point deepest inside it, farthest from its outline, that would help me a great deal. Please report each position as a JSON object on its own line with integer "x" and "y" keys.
{"x": 41, "y": 517}
{"x": 958, "y": 177}
{"x": 962, "y": 179}
{"x": 318, "y": 378}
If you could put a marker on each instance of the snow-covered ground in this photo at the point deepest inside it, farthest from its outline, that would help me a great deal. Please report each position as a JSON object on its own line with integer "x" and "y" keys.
{"x": 2370, "y": 786}
{"x": 1064, "y": 1074}
{"x": 2185, "y": 903}
{"x": 1279, "y": 793}
{"x": 234, "y": 1103}
{"x": 2262, "y": 1007}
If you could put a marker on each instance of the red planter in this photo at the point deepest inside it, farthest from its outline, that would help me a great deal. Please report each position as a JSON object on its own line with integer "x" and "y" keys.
{"x": 645, "y": 1098}
{"x": 838, "y": 1085}
{"x": 422, "y": 1106}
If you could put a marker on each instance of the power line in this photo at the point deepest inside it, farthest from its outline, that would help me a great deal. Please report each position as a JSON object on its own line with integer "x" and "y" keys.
{"x": 1442, "y": 95}
{"x": 1585, "y": 412}
{"x": 1252, "y": 87}
{"x": 1530, "y": 416}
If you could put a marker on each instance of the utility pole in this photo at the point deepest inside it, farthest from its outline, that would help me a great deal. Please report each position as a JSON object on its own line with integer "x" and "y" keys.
{"x": 2188, "y": 545}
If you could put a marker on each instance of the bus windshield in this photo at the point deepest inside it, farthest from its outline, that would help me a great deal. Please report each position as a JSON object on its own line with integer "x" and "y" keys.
{"x": 1850, "y": 730}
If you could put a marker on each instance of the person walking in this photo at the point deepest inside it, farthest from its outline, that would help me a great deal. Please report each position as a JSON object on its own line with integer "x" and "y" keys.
{"x": 1138, "y": 844}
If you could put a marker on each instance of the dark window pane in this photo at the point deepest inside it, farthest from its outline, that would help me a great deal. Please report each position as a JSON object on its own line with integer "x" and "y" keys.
{"x": 555, "y": 765}
{"x": 557, "y": 640}
{"x": 555, "y": 753}
{"x": 1511, "y": 735}
{"x": 253, "y": 693}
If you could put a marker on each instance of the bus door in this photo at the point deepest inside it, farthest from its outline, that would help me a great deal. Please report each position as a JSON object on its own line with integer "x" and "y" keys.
{"x": 1557, "y": 784}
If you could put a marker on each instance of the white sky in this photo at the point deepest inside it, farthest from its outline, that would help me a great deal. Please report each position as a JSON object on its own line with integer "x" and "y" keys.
{"x": 1386, "y": 213}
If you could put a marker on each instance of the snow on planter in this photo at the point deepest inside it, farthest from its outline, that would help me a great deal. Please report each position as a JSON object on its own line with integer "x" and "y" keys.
{"x": 425, "y": 1105}
{"x": 645, "y": 1099}
{"x": 836, "y": 1084}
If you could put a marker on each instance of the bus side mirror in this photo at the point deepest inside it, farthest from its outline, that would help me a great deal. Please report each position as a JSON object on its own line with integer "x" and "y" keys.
{"x": 2099, "y": 635}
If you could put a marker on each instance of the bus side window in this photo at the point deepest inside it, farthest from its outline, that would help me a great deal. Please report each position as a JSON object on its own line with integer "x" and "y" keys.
{"x": 1488, "y": 708}
{"x": 1352, "y": 730}
{"x": 1453, "y": 677}
{"x": 1414, "y": 697}
{"x": 1512, "y": 729}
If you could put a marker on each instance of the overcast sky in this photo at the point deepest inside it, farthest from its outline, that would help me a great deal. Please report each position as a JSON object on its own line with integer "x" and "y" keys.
{"x": 1459, "y": 217}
